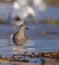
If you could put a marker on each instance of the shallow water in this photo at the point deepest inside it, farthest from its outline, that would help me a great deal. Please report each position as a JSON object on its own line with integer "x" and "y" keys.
{"x": 35, "y": 44}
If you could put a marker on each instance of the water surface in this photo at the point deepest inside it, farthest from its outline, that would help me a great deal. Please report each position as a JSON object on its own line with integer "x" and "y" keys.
{"x": 38, "y": 43}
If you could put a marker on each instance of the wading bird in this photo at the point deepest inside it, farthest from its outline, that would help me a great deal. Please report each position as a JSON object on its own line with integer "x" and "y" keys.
{"x": 19, "y": 37}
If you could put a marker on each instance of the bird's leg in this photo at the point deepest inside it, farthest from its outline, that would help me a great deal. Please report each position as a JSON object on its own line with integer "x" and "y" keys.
{"x": 22, "y": 50}
{"x": 18, "y": 49}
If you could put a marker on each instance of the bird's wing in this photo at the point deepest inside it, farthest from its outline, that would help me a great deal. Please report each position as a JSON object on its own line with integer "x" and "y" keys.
{"x": 11, "y": 38}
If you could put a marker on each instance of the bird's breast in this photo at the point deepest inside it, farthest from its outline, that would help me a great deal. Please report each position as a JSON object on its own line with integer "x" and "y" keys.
{"x": 19, "y": 39}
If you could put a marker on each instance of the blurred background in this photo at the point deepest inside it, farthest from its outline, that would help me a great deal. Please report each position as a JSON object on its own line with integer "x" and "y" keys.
{"x": 39, "y": 10}
{"x": 40, "y": 16}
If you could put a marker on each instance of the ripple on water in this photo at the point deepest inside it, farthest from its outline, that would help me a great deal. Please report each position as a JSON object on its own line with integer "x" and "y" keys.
{"x": 30, "y": 46}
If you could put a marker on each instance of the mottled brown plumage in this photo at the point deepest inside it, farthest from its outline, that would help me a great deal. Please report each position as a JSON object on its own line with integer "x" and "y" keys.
{"x": 19, "y": 37}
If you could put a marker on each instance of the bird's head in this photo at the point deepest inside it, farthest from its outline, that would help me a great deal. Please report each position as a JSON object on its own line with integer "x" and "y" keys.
{"x": 22, "y": 26}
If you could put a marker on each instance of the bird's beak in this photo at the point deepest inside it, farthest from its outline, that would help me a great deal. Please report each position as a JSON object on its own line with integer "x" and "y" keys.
{"x": 27, "y": 28}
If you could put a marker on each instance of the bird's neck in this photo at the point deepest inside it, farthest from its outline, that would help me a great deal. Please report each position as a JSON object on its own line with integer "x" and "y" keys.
{"x": 21, "y": 31}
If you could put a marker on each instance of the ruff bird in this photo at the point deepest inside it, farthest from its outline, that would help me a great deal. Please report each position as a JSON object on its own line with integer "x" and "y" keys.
{"x": 19, "y": 37}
